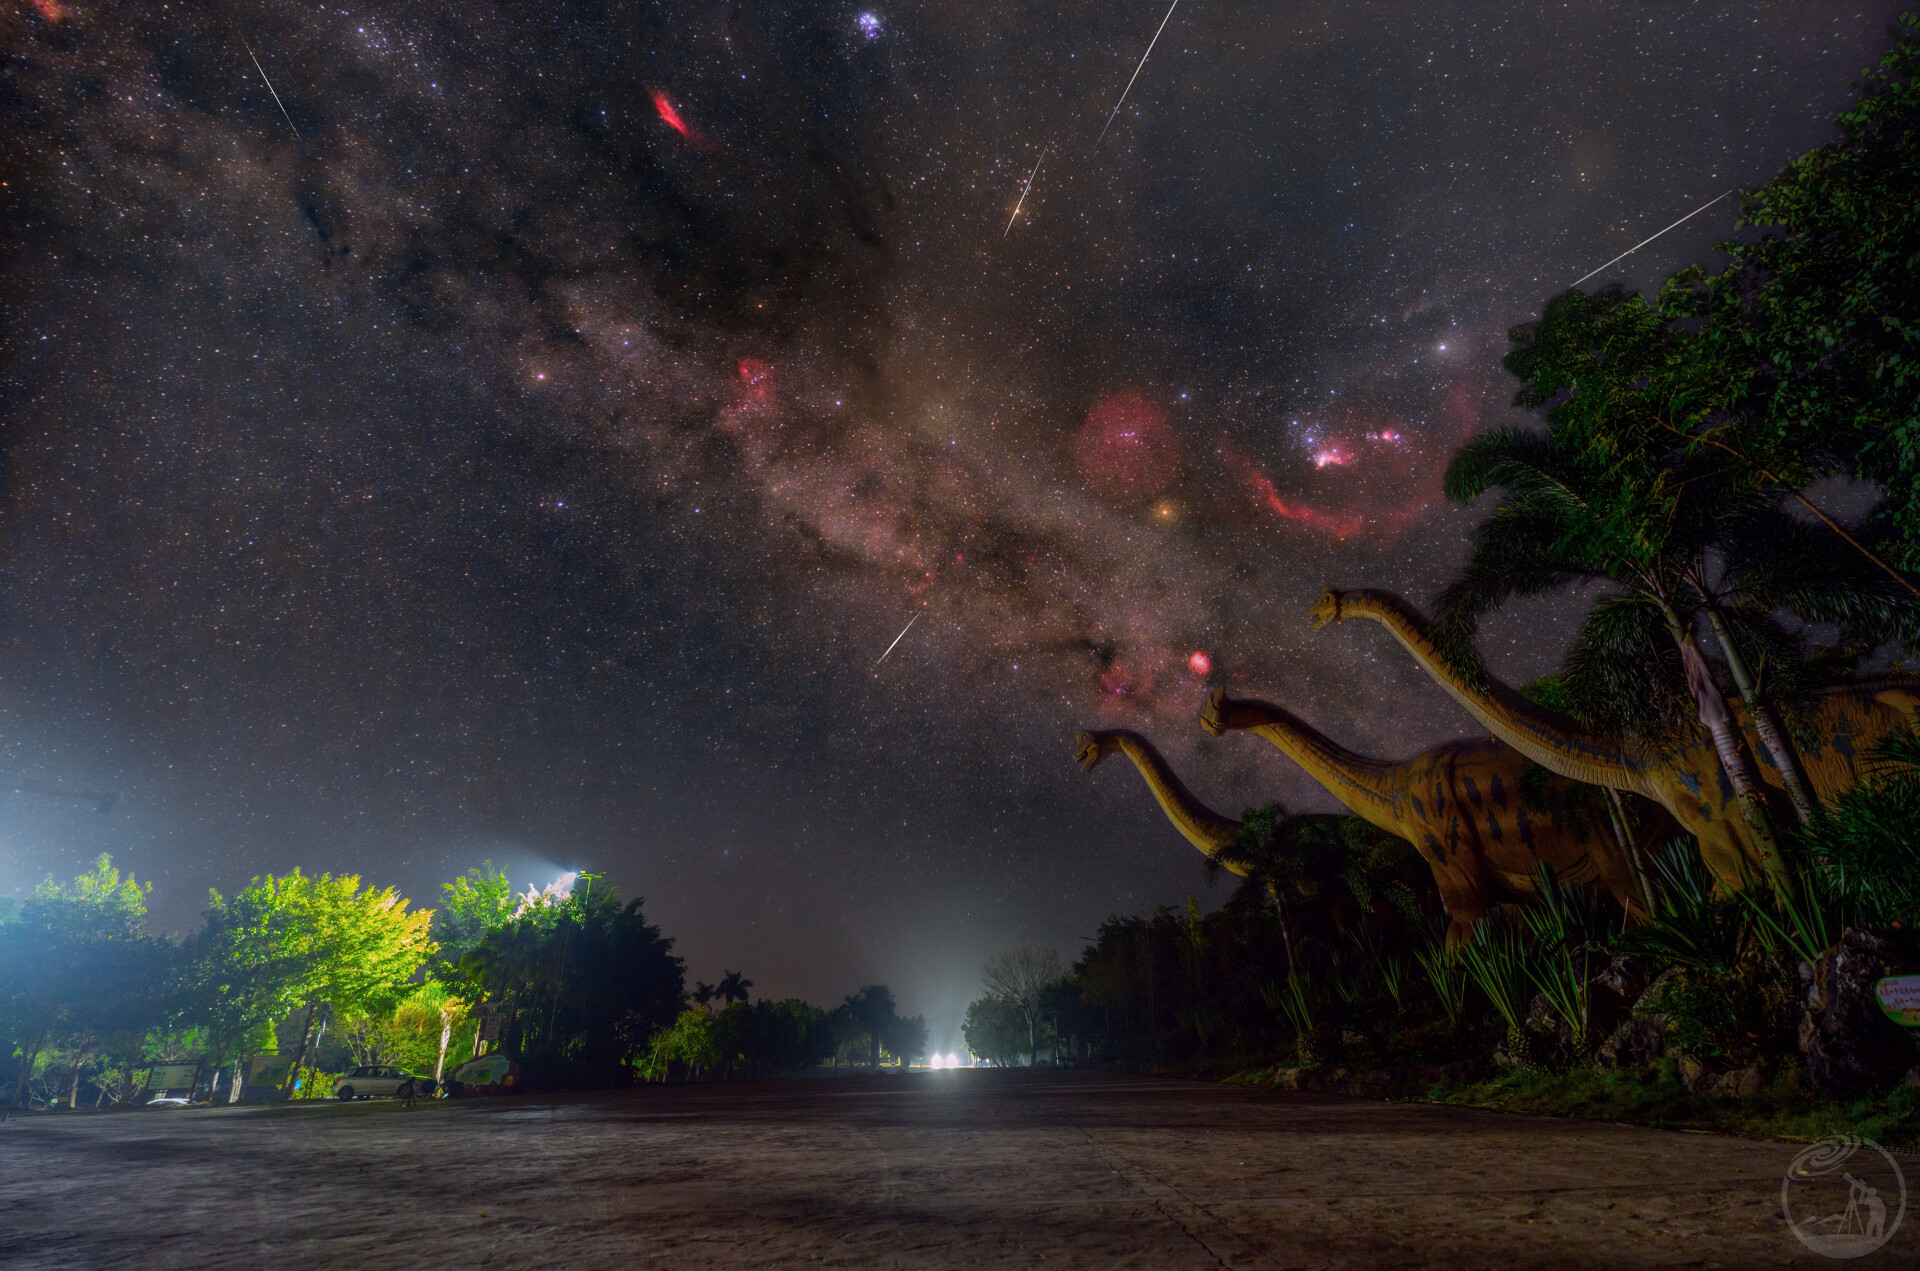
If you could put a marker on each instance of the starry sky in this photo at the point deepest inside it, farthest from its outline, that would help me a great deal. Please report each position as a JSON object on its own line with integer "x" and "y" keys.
{"x": 521, "y": 439}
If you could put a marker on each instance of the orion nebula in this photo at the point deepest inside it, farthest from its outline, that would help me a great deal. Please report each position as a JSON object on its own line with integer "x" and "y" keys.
{"x": 526, "y": 447}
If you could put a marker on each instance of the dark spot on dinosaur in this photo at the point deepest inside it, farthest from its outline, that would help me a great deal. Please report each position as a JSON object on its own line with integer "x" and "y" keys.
{"x": 1843, "y": 738}
{"x": 1473, "y": 791}
{"x": 1524, "y": 825}
{"x": 1691, "y": 782}
{"x": 1498, "y": 789}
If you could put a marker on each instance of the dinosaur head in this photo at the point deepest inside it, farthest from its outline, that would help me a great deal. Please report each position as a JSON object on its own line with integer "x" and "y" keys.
{"x": 1326, "y": 609}
{"x": 1090, "y": 748}
{"x": 1213, "y": 716}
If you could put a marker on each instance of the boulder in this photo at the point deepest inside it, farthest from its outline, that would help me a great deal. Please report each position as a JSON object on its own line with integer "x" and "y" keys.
{"x": 1850, "y": 1045}
{"x": 1741, "y": 1083}
{"x": 1638, "y": 1042}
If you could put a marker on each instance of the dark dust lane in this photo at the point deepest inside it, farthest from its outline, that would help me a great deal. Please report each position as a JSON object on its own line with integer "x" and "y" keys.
{"x": 943, "y": 1169}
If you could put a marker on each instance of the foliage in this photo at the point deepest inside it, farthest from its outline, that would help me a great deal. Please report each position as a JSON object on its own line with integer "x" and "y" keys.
{"x": 1496, "y": 960}
{"x": 587, "y": 979}
{"x": 692, "y": 1040}
{"x": 863, "y": 1020}
{"x": 781, "y": 1036}
{"x": 1786, "y": 1109}
{"x": 245, "y": 969}
{"x": 81, "y": 972}
{"x": 1690, "y": 925}
{"x": 1865, "y": 847}
{"x": 473, "y": 904}
{"x": 1812, "y": 329}
{"x": 1328, "y": 875}
{"x": 996, "y": 1031}
{"x": 1019, "y": 977}
{"x": 1570, "y": 934}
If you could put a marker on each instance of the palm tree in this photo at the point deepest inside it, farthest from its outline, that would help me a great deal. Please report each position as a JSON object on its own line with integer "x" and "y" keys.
{"x": 733, "y": 987}
{"x": 870, "y": 1012}
{"x": 704, "y": 993}
{"x": 1611, "y": 493}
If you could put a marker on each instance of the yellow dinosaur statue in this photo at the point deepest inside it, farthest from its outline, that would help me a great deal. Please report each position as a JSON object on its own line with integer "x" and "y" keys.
{"x": 1460, "y": 805}
{"x": 1684, "y": 778}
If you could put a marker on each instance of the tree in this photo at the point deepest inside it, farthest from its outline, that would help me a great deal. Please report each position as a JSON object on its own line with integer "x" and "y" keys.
{"x": 80, "y": 967}
{"x": 246, "y": 969}
{"x": 733, "y": 987}
{"x": 363, "y": 946}
{"x": 1813, "y": 330}
{"x": 692, "y": 1039}
{"x": 1018, "y": 977}
{"x": 470, "y": 906}
{"x": 587, "y": 980}
{"x": 867, "y": 1015}
{"x": 995, "y": 1030}
{"x": 905, "y": 1037}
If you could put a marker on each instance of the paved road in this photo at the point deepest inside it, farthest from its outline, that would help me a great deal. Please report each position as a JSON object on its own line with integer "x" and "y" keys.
{"x": 930, "y": 1170}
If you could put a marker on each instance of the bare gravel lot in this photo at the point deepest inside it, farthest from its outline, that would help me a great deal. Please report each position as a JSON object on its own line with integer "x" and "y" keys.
{"x": 945, "y": 1169}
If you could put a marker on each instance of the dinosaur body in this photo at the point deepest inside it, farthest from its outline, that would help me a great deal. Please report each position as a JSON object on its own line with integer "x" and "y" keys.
{"x": 1684, "y": 777}
{"x": 1460, "y": 804}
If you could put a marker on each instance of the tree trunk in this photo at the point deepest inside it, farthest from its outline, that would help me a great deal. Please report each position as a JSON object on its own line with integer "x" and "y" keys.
{"x": 1286, "y": 931}
{"x": 73, "y": 1078}
{"x": 239, "y": 1078}
{"x": 1624, "y": 830}
{"x": 300, "y": 1052}
{"x": 29, "y": 1056}
{"x": 1726, "y": 744}
{"x": 446, "y": 1035}
{"x": 1765, "y": 721}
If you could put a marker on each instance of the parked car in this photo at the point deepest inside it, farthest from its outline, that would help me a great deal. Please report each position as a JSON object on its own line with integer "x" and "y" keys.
{"x": 489, "y": 1074}
{"x": 379, "y": 1079}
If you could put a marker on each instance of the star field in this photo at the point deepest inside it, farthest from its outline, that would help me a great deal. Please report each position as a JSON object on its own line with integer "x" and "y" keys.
{"x": 531, "y": 457}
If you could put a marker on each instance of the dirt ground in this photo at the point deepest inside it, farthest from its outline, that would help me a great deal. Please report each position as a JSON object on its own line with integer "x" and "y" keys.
{"x": 948, "y": 1169}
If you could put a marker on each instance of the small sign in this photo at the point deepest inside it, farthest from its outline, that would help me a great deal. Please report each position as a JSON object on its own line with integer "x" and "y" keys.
{"x": 493, "y": 1025}
{"x": 173, "y": 1077}
{"x": 266, "y": 1079}
{"x": 1900, "y": 998}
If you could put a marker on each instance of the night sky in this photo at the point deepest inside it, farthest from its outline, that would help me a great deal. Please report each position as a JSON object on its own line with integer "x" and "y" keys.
{"x": 530, "y": 457}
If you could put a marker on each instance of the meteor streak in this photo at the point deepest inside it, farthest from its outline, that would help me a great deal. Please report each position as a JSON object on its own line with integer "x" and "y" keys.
{"x": 269, "y": 83}
{"x": 1023, "y": 193}
{"x": 1637, "y": 246}
{"x": 1136, "y": 75}
{"x": 897, "y": 639}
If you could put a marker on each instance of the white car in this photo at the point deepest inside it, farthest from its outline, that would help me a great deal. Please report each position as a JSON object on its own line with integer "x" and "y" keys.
{"x": 376, "y": 1080}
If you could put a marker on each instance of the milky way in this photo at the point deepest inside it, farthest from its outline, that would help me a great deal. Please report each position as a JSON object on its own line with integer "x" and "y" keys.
{"x": 526, "y": 446}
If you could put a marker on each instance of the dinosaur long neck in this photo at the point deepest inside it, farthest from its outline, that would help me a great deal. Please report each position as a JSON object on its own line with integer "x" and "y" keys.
{"x": 1370, "y": 788}
{"x": 1550, "y": 740}
{"x": 1203, "y": 827}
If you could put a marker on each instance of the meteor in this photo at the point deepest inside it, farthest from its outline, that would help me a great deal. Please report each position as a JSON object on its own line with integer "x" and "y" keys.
{"x": 269, "y": 83}
{"x": 897, "y": 639}
{"x": 1023, "y": 193}
{"x": 1136, "y": 74}
{"x": 1637, "y": 246}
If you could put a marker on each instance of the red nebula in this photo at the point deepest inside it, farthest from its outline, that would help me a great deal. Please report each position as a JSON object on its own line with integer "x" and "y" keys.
{"x": 1126, "y": 449}
{"x": 668, "y": 113}
{"x": 51, "y": 10}
{"x": 1199, "y": 663}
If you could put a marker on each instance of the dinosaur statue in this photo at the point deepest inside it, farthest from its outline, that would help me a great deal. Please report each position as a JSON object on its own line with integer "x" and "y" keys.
{"x": 1460, "y": 804}
{"x": 1685, "y": 777}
